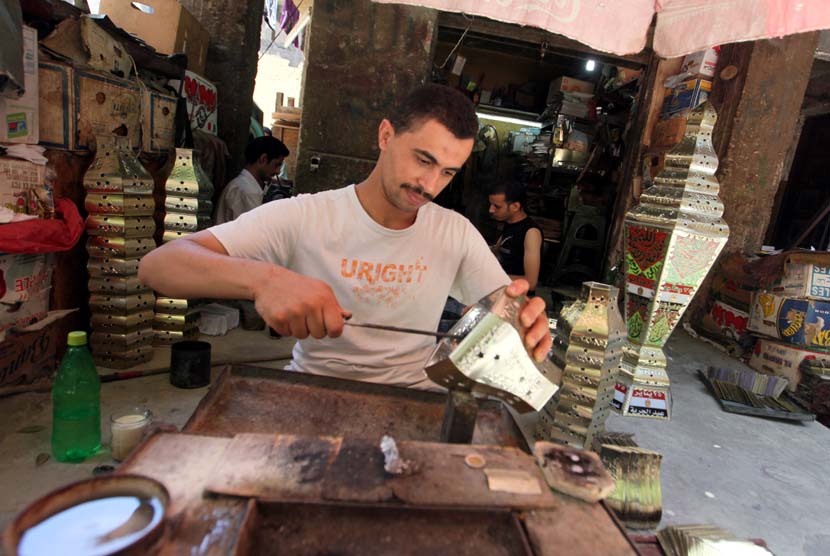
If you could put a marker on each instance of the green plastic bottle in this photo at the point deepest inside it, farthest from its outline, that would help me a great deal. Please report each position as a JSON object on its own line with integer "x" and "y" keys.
{"x": 76, "y": 403}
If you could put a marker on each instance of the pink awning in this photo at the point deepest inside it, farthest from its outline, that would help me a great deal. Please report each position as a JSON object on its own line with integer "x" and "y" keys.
{"x": 620, "y": 26}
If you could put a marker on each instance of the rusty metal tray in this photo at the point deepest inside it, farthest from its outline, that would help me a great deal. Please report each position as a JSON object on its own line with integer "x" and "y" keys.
{"x": 301, "y": 529}
{"x": 248, "y": 399}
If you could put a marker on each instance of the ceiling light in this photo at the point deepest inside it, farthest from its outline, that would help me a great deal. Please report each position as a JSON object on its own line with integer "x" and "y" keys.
{"x": 590, "y": 65}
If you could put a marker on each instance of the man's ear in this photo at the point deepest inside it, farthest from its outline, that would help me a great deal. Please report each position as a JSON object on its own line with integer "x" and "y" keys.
{"x": 385, "y": 133}
{"x": 515, "y": 206}
{"x": 263, "y": 159}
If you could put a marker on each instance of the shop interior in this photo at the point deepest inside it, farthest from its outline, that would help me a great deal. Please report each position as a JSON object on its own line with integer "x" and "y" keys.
{"x": 554, "y": 120}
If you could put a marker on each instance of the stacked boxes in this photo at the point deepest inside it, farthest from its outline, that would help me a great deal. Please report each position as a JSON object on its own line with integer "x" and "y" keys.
{"x": 119, "y": 203}
{"x": 187, "y": 209}
{"x": 588, "y": 347}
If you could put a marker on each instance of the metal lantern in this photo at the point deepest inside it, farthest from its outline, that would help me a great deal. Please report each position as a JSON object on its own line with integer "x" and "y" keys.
{"x": 187, "y": 209}
{"x": 672, "y": 239}
{"x": 120, "y": 231}
{"x": 587, "y": 345}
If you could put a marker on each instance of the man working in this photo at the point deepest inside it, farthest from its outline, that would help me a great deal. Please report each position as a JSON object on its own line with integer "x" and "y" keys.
{"x": 519, "y": 248}
{"x": 378, "y": 251}
{"x": 263, "y": 159}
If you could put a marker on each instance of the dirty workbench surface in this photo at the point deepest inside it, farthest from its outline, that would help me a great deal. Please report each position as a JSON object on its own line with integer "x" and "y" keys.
{"x": 252, "y": 399}
{"x": 210, "y": 525}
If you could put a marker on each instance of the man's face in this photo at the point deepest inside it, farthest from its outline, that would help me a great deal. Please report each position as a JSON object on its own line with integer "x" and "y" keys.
{"x": 500, "y": 209}
{"x": 267, "y": 168}
{"x": 417, "y": 164}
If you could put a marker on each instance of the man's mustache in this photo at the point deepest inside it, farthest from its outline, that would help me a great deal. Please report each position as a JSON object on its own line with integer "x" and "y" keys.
{"x": 419, "y": 190}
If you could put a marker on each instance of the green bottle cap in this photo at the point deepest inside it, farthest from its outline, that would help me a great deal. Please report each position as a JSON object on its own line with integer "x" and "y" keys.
{"x": 76, "y": 338}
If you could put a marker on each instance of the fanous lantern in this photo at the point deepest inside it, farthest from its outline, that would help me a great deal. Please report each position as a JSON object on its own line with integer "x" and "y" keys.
{"x": 672, "y": 239}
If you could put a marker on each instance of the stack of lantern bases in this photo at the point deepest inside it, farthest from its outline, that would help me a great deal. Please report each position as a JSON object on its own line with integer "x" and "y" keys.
{"x": 120, "y": 226}
{"x": 187, "y": 208}
{"x": 588, "y": 347}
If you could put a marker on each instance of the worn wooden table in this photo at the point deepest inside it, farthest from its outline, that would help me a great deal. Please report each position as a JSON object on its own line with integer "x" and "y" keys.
{"x": 318, "y": 487}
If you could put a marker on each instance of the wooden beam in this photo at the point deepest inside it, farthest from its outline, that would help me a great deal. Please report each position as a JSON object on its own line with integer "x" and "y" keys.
{"x": 535, "y": 35}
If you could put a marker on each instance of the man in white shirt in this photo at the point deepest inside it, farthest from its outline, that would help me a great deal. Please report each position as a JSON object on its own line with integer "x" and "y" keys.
{"x": 263, "y": 158}
{"x": 378, "y": 250}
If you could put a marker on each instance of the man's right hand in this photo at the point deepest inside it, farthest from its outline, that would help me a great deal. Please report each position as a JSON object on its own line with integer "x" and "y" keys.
{"x": 299, "y": 306}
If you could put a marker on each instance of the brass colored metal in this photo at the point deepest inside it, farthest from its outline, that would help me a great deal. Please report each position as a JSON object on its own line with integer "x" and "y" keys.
{"x": 114, "y": 203}
{"x": 188, "y": 209}
{"x": 587, "y": 345}
{"x": 117, "y": 285}
{"x": 122, "y": 323}
{"x": 175, "y": 322}
{"x": 112, "y": 267}
{"x": 112, "y": 342}
{"x": 164, "y": 337}
{"x": 106, "y": 247}
{"x": 121, "y": 304}
{"x": 187, "y": 179}
{"x": 180, "y": 222}
{"x": 120, "y": 226}
{"x": 188, "y": 205}
{"x": 116, "y": 169}
{"x": 123, "y": 359}
{"x": 172, "y": 306}
{"x": 672, "y": 239}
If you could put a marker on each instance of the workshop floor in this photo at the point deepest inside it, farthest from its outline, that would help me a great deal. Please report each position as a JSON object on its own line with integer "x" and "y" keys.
{"x": 756, "y": 477}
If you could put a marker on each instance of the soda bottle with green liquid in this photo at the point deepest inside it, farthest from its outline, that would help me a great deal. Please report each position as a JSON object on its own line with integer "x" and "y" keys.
{"x": 76, "y": 403}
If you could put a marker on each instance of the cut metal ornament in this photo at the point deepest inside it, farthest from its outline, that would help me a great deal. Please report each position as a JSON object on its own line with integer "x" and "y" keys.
{"x": 490, "y": 359}
{"x": 120, "y": 230}
{"x": 672, "y": 239}
{"x": 187, "y": 207}
{"x": 587, "y": 345}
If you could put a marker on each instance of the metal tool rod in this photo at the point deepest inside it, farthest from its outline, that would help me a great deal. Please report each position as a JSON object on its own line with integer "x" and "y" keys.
{"x": 403, "y": 330}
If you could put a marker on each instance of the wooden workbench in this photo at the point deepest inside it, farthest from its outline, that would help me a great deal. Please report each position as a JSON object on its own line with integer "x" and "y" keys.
{"x": 261, "y": 492}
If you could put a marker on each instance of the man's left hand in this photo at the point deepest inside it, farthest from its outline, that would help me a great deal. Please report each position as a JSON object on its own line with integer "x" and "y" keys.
{"x": 532, "y": 315}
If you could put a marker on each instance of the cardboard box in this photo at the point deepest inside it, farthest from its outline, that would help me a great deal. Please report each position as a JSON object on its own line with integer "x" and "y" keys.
{"x": 104, "y": 105}
{"x": 732, "y": 321}
{"x": 75, "y": 105}
{"x": 668, "y": 133}
{"x": 25, "y": 281}
{"x": 158, "y": 122}
{"x": 202, "y": 101}
{"x": 804, "y": 280}
{"x": 56, "y": 105}
{"x": 685, "y": 96}
{"x": 781, "y": 359}
{"x": 17, "y": 178}
{"x": 796, "y": 321}
{"x": 701, "y": 64}
{"x": 19, "y": 117}
{"x": 566, "y": 84}
{"x": 28, "y": 361}
{"x": 170, "y": 28}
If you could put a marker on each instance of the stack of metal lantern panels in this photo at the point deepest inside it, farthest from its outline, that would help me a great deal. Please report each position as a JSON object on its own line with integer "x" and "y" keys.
{"x": 187, "y": 209}
{"x": 587, "y": 346}
{"x": 120, "y": 228}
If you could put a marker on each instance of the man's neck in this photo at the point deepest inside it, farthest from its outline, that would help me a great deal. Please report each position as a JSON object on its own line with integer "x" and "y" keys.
{"x": 518, "y": 217}
{"x": 251, "y": 170}
{"x": 377, "y": 206}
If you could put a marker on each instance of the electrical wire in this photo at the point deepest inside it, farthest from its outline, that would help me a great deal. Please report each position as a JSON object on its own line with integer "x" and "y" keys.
{"x": 264, "y": 52}
{"x": 454, "y": 48}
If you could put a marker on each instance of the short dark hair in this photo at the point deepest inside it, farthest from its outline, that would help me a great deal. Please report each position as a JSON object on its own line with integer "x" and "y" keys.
{"x": 447, "y": 106}
{"x": 265, "y": 145}
{"x": 513, "y": 191}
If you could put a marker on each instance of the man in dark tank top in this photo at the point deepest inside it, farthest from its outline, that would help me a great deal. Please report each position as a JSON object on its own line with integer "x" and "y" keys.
{"x": 519, "y": 248}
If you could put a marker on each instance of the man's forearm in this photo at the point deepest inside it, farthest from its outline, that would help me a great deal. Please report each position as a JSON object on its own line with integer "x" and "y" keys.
{"x": 186, "y": 269}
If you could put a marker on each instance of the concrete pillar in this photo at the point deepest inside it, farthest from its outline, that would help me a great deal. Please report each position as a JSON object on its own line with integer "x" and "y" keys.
{"x": 361, "y": 58}
{"x": 231, "y": 64}
{"x": 758, "y": 110}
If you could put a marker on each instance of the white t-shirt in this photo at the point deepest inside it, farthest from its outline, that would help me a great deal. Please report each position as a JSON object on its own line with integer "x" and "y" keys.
{"x": 243, "y": 193}
{"x": 393, "y": 277}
